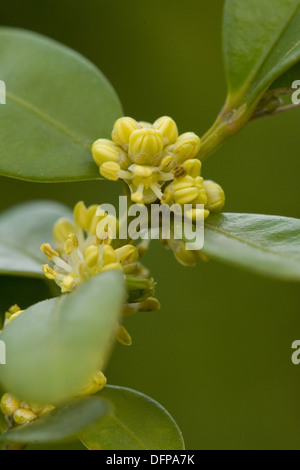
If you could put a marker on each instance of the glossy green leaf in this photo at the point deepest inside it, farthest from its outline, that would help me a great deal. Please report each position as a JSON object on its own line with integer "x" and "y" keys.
{"x": 23, "y": 229}
{"x": 57, "y": 105}
{"x": 136, "y": 422}
{"x": 61, "y": 424}
{"x": 54, "y": 347}
{"x": 261, "y": 42}
{"x": 264, "y": 244}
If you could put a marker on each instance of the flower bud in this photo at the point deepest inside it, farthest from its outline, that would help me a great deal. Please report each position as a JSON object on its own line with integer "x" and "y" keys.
{"x": 139, "y": 289}
{"x": 110, "y": 171}
{"x": 168, "y": 129}
{"x": 187, "y": 147}
{"x": 122, "y": 131}
{"x": 146, "y": 146}
{"x": 24, "y": 416}
{"x": 104, "y": 150}
{"x": 9, "y": 404}
{"x": 215, "y": 196}
{"x": 123, "y": 336}
{"x": 193, "y": 167}
{"x": 91, "y": 256}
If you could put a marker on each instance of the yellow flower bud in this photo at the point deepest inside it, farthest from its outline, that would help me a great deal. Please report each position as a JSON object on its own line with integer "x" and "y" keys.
{"x": 186, "y": 195}
{"x": 123, "y": 336}
{"x": 110, "y": 171}
{"x": 149, "y": 305}
{"x": 122, "y": 131}
{"x": 146, "y": 146}
{"x": 92, "y": 255}
{"x": 127, "y": 254}
{"x": 9, "y": 404}
{"x": 197, "y": 214}
{"x": 166, "y": 163}
{"x": 168, "y": 128}
{"x": 215, "y": 196}
{"x": 24, "y": 416}
{"x": 81, "y": 215}
{"x": 109, "y": 255}
{"x": 193, "y": 167}
{"x": 48, "y": 251}
{"x": 187, "y": 147}
{"x": 104, "y": 150}
{"x": 62, "y": 230}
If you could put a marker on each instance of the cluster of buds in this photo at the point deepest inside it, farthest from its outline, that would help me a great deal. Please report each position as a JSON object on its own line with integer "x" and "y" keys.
{"x": 190, "y": 188}
{"x": 82, "y": 252}
{"x": 144, "y": 155}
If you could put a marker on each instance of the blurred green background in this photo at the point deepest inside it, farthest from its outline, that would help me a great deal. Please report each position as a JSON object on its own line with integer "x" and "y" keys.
{"x": 218, "y": 354}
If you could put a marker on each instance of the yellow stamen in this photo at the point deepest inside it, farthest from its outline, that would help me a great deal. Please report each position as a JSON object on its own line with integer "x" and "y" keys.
{"x": 48, "y": 251}
{"x": 123, "y": 336}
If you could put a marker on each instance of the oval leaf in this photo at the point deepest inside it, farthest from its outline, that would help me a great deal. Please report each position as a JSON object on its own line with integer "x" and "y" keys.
{"x": 57, "y": 105}
{"x": 61, "y": 424}
{"x": 264, "y": 244}
{"x": 136, "y": 423}
{"x": 23, "y": 229}
{"x": 261, "y": 42}
{"x": 54, "y": 347}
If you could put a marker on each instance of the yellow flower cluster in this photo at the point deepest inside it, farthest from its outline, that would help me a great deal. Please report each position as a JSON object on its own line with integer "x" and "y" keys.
{"x": 189, "y": 187}
{"x": 144, "y": 155}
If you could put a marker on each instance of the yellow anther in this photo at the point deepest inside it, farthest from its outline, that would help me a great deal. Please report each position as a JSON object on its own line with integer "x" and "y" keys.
{"x": 215, "y": 196}
{"x": 48, "y": 251}
{"x": 187, "y": 147}
{"x": 123, "y": 336}
{"x": 14, "y": 309}
{"x": 109, "y": 255}
{"x": 168, "y": 128}
{"x": 49, "y": 272}
{"x": 104, "y": 150}
{"x": 110, "y": 267}
{"x": 92, "y": 255}
{"x": 12, "y": 317}
{"x": 185, "y": 257}
{"x": 149, "y": 305}
{"x": 67, "y": 284}
{"x": 146, "y": 146}
{"x": 110, "y": 171}
{"x": 62, "y": 230}
{"x": 122, "y": 131}
{"x": 24, "y": 416}
{"x": 193, "y": 167}
{"x": 81, "y": 215}
{"x": 71, "y": 244}
{"x": 137, "y": 197}
{"x": 127, "y": 254}
{"x": 9, "y": 404}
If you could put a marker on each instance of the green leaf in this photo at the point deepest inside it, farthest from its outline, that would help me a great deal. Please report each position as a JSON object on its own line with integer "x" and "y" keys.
{"x": 135, "y": 423}
{"x": 54, "y": 347}
{"x": 57, "y": 105}
{"x": 263, "y": 244}
{"x": 61, "y": 424}
{"x": 261, "y": 42}
{"x": 23, "y": 229}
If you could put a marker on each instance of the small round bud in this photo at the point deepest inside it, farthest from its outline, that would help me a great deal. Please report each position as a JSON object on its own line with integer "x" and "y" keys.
{"x": 110, "y": 171}
{"x": 122, "y": 131}
{"x": 9, "y": 404}
{"x": 123, "y": 336}
{"x": 24, "y": 416}
{"x": 146, "y": 146}
{"x": 187, "y": 147}
{"x": 104, "y": 150}
{"x": 168, "y": 128}
{"x": 91, "y": 256}
{"x": 215, "y": 196}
